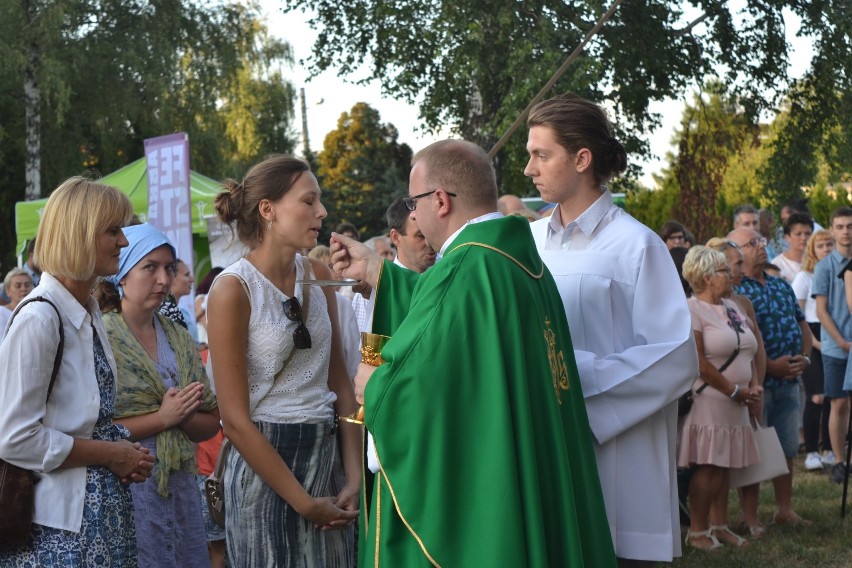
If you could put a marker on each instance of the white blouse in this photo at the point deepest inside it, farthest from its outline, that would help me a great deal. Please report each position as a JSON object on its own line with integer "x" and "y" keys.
{"x": 299, "y": 393}
{"x": 40, "y": 438}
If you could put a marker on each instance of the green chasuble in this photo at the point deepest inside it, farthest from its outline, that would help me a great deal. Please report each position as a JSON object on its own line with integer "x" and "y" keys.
{"x": 478, "y": 417}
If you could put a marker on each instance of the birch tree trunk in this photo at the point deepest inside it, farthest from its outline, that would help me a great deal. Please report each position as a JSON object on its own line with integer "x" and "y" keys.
{"x": 32, "y": 104}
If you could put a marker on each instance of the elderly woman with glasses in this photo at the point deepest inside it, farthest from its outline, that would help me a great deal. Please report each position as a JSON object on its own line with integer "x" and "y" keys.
{"x": 277, "y": 360}
{"x": 716, "y": 434}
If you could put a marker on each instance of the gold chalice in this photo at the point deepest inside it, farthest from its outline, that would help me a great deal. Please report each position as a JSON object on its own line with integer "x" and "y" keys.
{"x": 371, "y": 354}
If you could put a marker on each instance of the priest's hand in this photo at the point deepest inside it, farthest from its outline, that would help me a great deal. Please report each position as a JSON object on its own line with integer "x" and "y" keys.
{"x": 352, "y": 259}
{"x": 364, "y": 373}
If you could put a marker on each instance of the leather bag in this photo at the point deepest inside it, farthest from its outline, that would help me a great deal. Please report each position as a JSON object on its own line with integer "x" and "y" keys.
{"x": 214, "y": 486}
{"x": 17, "y": 485}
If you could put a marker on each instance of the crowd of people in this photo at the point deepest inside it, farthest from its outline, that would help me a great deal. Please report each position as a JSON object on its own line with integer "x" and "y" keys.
{"x": 789, "y": 313}
{"x": 525, "y": 411}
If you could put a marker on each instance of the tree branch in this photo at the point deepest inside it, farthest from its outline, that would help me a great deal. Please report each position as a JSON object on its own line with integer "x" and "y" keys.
{"x": 688, "y": 29}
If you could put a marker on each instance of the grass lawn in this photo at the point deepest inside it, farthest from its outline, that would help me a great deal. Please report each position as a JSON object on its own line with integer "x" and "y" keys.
{"x": 824, "y": 544}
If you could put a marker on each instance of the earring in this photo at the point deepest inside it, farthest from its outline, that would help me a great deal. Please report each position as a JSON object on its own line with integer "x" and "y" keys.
{"x": 269, "y": 226}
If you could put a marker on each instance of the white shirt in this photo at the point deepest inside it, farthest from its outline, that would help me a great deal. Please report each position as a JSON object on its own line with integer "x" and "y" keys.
{"x": 40, "y": 438}
{"x": 789, "y": 268}
{"x": 631, "y": 330}
{"x": 802, "y": 288}
{"x": 349, "y": 334}
{"x": 5, "y": 315}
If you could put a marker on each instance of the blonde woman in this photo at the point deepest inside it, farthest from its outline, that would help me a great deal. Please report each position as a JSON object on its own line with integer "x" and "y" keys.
{"x": 716, "y": 433}
{"x": 815, "y": 415}
{"x": 83, "y": 510}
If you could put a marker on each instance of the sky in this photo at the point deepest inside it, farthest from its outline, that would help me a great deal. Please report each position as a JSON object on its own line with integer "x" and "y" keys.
{"x": 328, "y": 96}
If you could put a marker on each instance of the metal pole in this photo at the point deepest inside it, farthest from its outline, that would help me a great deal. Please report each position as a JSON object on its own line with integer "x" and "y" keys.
{"x": 306, "y": 148}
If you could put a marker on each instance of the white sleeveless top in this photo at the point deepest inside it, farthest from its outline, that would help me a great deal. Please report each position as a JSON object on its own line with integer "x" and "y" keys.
{"x": 300, "y": 393}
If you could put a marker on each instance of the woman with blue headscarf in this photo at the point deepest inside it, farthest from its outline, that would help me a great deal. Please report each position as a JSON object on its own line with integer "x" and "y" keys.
{"x": 163, "y": 398}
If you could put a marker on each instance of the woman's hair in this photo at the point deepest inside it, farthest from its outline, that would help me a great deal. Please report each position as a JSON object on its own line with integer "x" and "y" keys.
{"x": 797, "y": 219}
{"x": 578, "y": 123}
{"x": 670, "y": 228}
{"x": 7, "y": 282}
{"x": 73, "y": 218}
{"x": 809, "y": 260}
{"x": 107, "y": 296}
{"x": 204, "y": 286}
{"x": 699, "y": 263}
{"x": 321, "y": 253}
{"x": 270, "y": 179}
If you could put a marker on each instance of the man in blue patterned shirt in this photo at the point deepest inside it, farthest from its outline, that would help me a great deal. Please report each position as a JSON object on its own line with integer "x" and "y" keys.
{"x": 787, "y": 339}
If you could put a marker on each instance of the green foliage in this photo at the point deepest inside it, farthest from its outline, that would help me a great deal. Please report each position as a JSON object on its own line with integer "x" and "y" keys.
{"x": 714, "y": 130}
{"x": 653, "y": 207}
{"x": 362, "y": 169}
{"x": 818, "y": 125}
{"x": 114, "y": 73}
{"x": 725, "y": 160}
{"x": 474, "y": 65}
{"x": 823, "y": 200}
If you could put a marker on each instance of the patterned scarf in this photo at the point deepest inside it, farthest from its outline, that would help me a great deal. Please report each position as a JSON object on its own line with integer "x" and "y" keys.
{"x": 141, "y": 390}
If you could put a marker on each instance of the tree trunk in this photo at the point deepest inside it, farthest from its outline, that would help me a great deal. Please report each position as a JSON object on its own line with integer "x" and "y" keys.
{"x": 32, "y": 103}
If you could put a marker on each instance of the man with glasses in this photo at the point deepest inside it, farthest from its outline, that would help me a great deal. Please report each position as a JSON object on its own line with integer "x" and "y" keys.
{"x": 829, "y": 291}
{"x": 787, "y": 340}
{"x": 481, "y": 434}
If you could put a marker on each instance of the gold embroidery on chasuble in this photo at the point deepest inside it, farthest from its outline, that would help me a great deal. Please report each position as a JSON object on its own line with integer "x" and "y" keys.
{"x": 558, "y": 368}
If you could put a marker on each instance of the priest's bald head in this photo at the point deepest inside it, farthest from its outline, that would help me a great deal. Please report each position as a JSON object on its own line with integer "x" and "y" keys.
{"x": 451, "y": 182}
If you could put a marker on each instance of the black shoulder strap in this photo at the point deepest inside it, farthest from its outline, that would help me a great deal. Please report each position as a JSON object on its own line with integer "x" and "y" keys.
{"x": 58, "y": 360}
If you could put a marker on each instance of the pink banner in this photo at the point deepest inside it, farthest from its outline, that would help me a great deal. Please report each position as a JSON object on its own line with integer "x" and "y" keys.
{"x": 168, "y": 190}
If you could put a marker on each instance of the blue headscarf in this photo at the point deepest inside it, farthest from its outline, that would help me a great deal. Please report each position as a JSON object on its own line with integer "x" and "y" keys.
{"x": 143, "y": 239}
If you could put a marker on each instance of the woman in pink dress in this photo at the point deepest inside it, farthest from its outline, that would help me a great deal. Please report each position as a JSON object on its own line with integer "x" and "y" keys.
{"x": 717, "y": 434}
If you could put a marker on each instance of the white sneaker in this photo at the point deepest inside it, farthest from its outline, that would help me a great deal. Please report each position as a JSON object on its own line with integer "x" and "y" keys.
{"x": 827, "y": 459}
{"x": 813, "y": 462}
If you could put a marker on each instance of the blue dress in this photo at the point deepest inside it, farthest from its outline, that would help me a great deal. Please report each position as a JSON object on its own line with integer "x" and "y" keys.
{"x": 170, "y": 530}
{"x": 107, "y": 536}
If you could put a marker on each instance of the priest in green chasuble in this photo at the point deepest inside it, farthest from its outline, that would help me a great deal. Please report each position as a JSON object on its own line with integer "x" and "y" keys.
{"x": 480, "y": 429}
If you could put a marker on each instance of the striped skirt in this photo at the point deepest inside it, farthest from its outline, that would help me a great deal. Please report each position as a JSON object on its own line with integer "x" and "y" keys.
{"x": 261, "y": 529}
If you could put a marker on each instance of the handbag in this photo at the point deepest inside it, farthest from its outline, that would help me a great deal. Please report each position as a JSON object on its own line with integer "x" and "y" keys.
{"x": 772, "y": 460}
{"x": 684, "y": 403}
{"x": 17, "y": 485}
{"x": 214, "y": 485}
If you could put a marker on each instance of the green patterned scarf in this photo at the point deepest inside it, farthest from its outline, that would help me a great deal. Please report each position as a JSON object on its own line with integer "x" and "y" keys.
{"x": 141, "y": 390}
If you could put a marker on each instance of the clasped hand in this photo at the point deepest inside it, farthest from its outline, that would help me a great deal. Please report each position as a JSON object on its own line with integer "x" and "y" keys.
{"x": 334, "y": 513}
{"x": 131, "y": 462}
{"x": 179, "y": 405}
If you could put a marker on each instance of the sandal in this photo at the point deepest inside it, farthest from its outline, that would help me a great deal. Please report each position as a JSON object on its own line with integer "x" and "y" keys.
{"x": 713, "y": 545}
{"x": 757, "y": 531}
{"x": 726, "y": 535}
